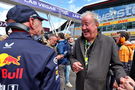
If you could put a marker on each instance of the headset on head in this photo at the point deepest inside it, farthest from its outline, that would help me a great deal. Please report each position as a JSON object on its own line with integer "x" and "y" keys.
{"x": 18, "y": 26}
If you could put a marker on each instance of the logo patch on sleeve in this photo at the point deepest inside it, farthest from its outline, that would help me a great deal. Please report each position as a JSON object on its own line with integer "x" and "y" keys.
{"x": 55, "y": 60}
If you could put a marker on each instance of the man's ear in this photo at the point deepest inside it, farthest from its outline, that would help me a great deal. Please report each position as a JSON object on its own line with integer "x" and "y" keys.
{"x": 97, "y": 24}
{"x": 31, "y": 22}
{"x": 31, "y": 25}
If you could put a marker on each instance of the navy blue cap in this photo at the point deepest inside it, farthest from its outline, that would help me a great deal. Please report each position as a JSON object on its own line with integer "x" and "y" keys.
{"x": 22, "y": 13}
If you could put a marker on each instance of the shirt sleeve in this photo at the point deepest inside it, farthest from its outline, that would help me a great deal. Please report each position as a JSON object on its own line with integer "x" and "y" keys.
{"x": 61, "y": 49}
{"x": 73, "y": 54}
{"x": 116, "y": 65}
{"x": 51, "y": 80}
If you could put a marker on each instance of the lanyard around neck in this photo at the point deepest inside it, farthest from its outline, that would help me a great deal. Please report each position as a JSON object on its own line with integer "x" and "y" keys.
{"x": 86, "y": 47}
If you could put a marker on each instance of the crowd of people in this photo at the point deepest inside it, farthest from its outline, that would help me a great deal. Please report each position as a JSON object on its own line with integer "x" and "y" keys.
{"x": 29, "y": 61}
{"x": 63, "y": 48}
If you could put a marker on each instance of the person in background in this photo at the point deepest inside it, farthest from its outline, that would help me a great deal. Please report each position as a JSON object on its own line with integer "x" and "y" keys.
{"x": 68, "y": 66}
{"x": 116, "y": 37}
{"x": 125, "y": 52}
{"x": 52, "y": 41}
{"x": 25, "y": 63}
{"x": 92, "y": 55}
{"x": 3, "y": 37}
{"x": 126, "y": 49}
{"x": 62, "y": 49}
{"x": 42, "y": 39}
{"x": 71, "y": 43}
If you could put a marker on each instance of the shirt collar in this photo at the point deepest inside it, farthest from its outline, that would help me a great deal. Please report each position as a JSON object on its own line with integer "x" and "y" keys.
{"x": 20, "y": 35}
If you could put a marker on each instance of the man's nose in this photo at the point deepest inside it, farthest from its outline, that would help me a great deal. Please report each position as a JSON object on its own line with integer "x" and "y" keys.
{"x": 84, "y": 27}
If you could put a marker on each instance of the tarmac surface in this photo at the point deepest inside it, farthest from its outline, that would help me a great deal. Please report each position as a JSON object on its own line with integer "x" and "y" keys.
{"x": 72, "y": 81}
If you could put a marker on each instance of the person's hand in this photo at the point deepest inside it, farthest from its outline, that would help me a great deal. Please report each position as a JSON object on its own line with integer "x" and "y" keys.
{"x": 121, "y": 87}
{"x": 59, "y": 57}
{"x": 125, "y": 86}
{"x": 128, "y": 84}
{"x": 77, "y": 66}
{"x": 122, "y": 84}
{"x": 115, "y": 84}
{"x": 130, "y": 80}
{"x": 122, "y": 80}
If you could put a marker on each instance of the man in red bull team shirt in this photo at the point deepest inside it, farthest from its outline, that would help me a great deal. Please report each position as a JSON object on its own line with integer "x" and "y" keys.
{"x": 26, "y": 64}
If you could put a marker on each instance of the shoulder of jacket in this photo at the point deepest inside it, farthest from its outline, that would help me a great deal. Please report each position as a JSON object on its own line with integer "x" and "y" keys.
{"x": 123, "y": 47}
{"x": 105, "y": 38}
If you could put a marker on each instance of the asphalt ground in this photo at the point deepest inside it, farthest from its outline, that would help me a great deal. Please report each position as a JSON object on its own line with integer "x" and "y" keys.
{"x": 72, "y": 81}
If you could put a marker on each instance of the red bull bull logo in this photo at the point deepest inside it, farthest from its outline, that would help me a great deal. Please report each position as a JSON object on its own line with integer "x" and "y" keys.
{"x": 16, "y": 73}
{"x": 6, "y": 59}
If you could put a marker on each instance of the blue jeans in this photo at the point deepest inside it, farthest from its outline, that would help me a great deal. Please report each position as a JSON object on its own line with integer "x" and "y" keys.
{"x": 67, "y": 73}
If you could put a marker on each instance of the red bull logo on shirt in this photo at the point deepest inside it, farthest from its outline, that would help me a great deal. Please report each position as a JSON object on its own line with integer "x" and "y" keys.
{"x": 16, "y": 73}
{"x": 6, "y": 59}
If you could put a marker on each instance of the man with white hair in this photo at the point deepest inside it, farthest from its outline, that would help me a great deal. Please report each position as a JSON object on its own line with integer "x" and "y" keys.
{"x": 92, "y": 55}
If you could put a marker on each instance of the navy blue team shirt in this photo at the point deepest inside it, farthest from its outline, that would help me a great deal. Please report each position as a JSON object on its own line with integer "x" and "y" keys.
{"x": 26, "y": 64}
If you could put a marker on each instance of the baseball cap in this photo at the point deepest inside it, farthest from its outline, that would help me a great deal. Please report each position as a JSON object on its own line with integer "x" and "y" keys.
{"x": 22, "y": 13}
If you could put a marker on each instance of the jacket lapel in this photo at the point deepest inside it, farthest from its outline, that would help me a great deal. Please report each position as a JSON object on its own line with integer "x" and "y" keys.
{"x": 81, "y": 44}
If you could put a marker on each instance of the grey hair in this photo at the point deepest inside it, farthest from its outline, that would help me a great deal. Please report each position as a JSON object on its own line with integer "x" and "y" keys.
{"x": 94, "y": 15}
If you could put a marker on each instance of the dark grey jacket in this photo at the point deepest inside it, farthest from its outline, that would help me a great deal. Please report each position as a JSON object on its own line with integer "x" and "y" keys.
{"x": 101, "y": 54}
